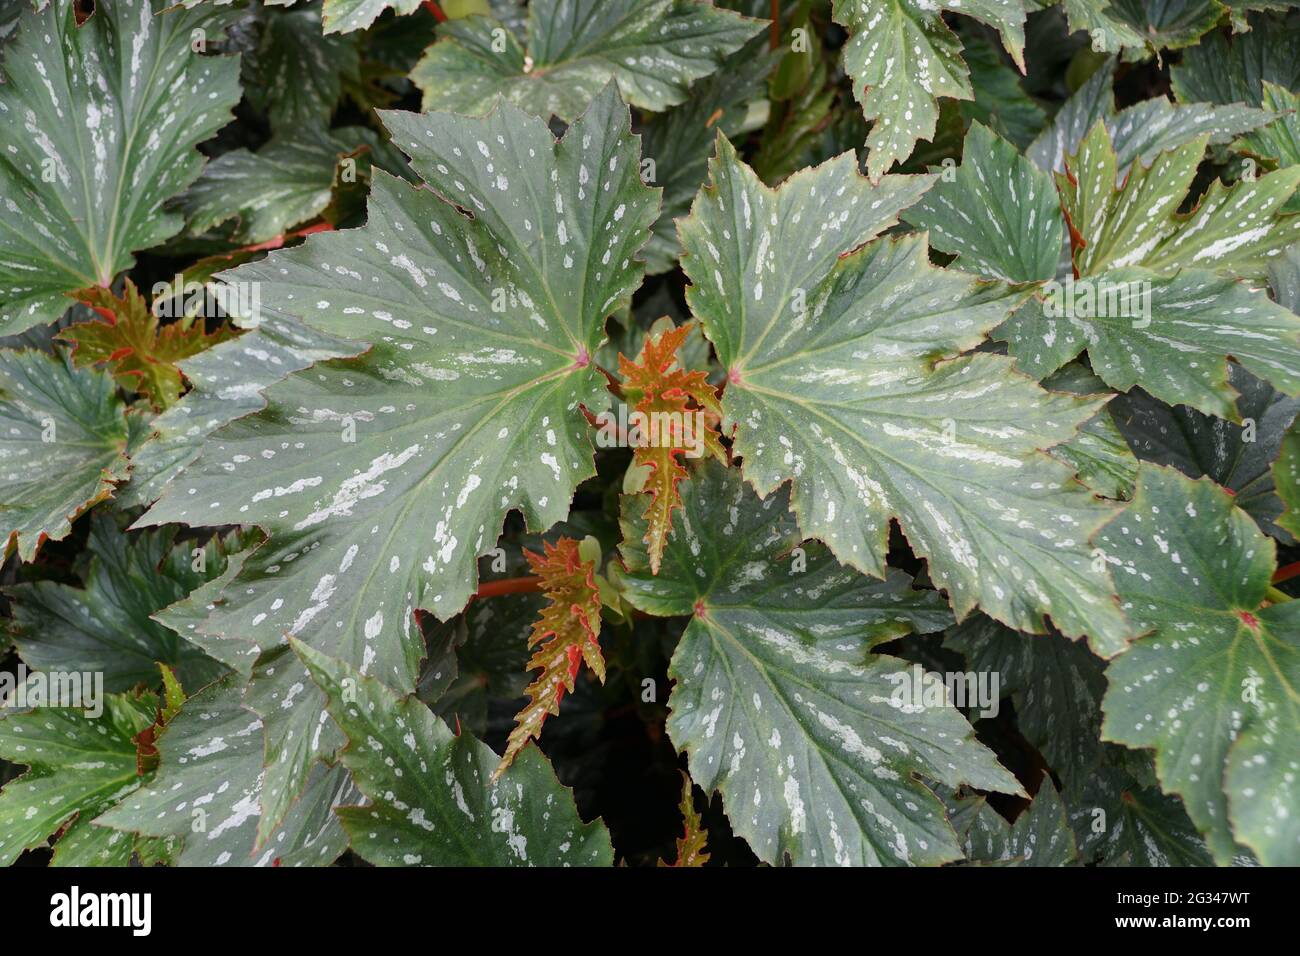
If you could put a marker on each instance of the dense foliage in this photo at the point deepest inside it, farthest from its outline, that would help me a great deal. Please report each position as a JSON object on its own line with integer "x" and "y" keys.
{"x": 576, "y": 432}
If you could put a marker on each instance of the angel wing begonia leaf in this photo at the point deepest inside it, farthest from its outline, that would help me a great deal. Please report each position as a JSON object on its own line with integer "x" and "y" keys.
{"x": 98, "y": 125}
{"x": 903, "y": 57}
{"x": 63, "y": 441}
{"x": 382, "y": 478}
{"x": 1214, "y": 687}
{"x": 845, "y": 376}
{"x": 433, "y": 798}
{"x": 653, "y": 49}
{"x": 206, "y": 790}
{"x": 778, "y": 702}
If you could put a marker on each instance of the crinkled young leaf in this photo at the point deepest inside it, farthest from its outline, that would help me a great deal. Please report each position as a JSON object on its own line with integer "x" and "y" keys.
{"x": 433, "y": 798}
{"x": 671, "y": 400}
{"x": 692, "y": 845}
{"x": 1121, "y": 220}
{"x": 106, "y": 626}
{"x": 1173, "y": 338}
{"x": 1056, "y": 684}
{"x": 902, "y": 58}
{"x": 63, "y": 443}
{"x": 112, "y": 110}
{"x": 653, "y": 49}
{"x": 779, "y": 703}
{"x": 207, "y": 787}
{"x": 1000, "y": 215}
{"x": 80, "y": 765}
{"x": 381, "y": 479}
{"x": 844, "y": 377}
{"x": 566, "y": 635}
{"x": 1215, "y": 687}
{"x": 1040, "y": 835}
{"x": 1236, "y": 456}
{"x": 142, "y": 354}
{"x": 1100, "y": 456}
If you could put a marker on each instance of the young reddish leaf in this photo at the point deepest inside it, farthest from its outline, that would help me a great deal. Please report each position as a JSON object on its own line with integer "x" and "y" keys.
{"x": 140, "y": 353}
{"x": 691, "y": 845}
{"x": 663, "y": 392}
{"x": 567, "y": 631}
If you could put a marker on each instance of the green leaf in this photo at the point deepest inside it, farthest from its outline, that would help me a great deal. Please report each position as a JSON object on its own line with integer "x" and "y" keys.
{"x": 844, "y": 377}
{"x": 207, "y": 787}
{"x": 1223, "y": 69}
{"x": 80, "y": 765}
{"x": 63, "y": 442}
{"x": 679, "y": 141}
{"x": 1100, "y": 456}
{"x": 653, "y": 49}
{"x": 1286, "y": 476}
{"x": 1143, "y": 130}
{"x": 1236, "y": 456}
{"x": 344, "y": 16}
{"x": 1279, "y": 141}
{"x": 999, "y": 214}
{"x": 226, "y": 383}
{"x": 295, "y": 73}
{"x": 106, "y": 626}
{"x": 1000, "y": 102}
{"x": 447, "y": 422}
{"x": 1173, "y": 337}
{"x": 1159, "y": 24}
{"x": 1040, "y": 836}
{"x": 1056, "y": 685}
{"x": 432, "y": 797}
{"x": 778, "y": 702}
{"x": 1130, "y": 220}
{"x": 1215, "y": 687}
{"x": 1119, "y": 822}
{"x": 283, "y": 184}
{"x": 902, "y": 58}
{"x": 112, "y": 110}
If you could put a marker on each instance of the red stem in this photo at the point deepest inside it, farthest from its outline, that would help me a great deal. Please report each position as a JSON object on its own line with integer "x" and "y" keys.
{"x": 774, "y": 31}
{"x": 509, "y": 586}
{"x": 436, "y": 10}
{"x": 279, "y": 241}
{"x": 1287, "y": 573}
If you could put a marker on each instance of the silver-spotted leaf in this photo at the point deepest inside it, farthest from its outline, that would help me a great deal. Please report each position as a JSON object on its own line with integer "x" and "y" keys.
{"x": 98, "y": 125}
{"x": 433, "y": 800}
{"x": 80, "y": 764}
{"x": 999, "y": 215}
{"x": 845, "y": 376}
{"x": 207, "y": 787}
{"x": 653, "y": 49}
{"x": 382, "y": 478}
{"x": 1215, "y": 687}
{"x": 64, "y": 434}
{"x": 814, "y": 741}
{"x": 902, "y": 57}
